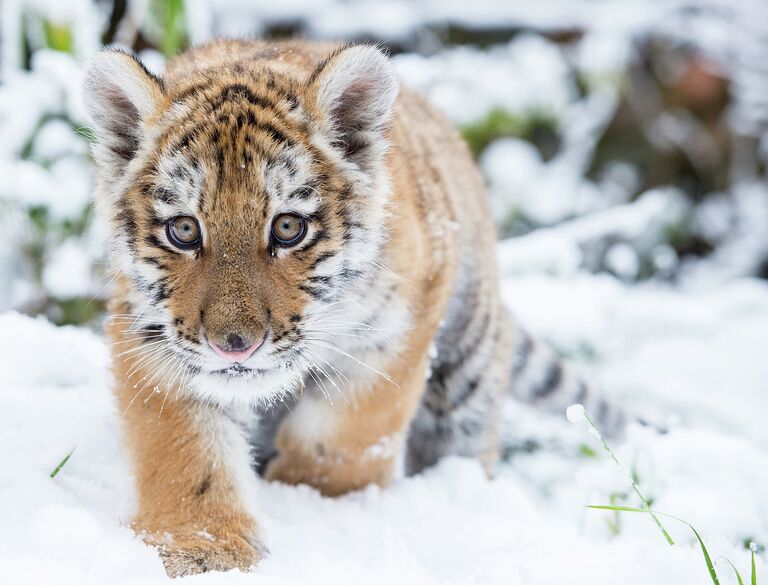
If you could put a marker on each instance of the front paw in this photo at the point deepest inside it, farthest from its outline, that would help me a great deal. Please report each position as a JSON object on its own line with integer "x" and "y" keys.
{"x": 189, "y": 553}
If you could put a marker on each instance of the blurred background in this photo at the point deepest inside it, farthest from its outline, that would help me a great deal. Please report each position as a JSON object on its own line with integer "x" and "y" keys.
{"x": 627, "y": 137}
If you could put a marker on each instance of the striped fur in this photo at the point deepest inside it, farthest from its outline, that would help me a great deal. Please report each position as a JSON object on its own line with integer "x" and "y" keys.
{"x": 385, "y": 343}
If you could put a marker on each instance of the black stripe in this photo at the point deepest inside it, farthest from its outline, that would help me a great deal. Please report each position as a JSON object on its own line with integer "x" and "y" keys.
{"x": 469, "y": 389}
{"x": 322, "y": 258}
{"x": 155, "y": 242}
{"x": 161, "y": 193}
{"x": 275, "y": 134}
{"x": 186, "y": 138}
{"x": 350, "y": 274}
{"x": 468, "y": 349}
{"x": 318, "y": 237}
{"x": 191, "y": 338}
{"x": 126, "y": 146}
{"x": 320, "y": 279}
{"x": 522, "y": 353}
{"x": 551, "y": 380}
{"x": 311, "y": 291}
{"x": 153, "y": 328}
{"x": 127, "y": 219}
{"x": 581, "y": 394}
{"x": 219, "y": 158}
{"x": 160, "y": 291}
{"x": 239, "y": 91}
{"x": 192, "y": 90}
{"x": 603, "y": 410}
{"x": 302, "y": 192}
{"x": 152, "y": 261}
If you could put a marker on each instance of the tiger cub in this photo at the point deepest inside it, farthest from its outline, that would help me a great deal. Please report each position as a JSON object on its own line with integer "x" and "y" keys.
{"x": 289, "y": 227}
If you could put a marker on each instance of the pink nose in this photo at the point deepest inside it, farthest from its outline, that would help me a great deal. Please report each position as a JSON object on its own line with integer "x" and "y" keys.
{"x": 235, "y": 356}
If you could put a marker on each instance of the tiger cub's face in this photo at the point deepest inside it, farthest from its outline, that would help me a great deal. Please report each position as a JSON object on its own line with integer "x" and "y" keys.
{"x": 243, "y": 204}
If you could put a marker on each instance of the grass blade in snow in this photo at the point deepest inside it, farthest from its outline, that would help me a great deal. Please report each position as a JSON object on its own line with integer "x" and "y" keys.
{"x": 63, "y": 462}
{"x": 576, "y": 413}
{"x": 735, "y": 570}
{"x": 705, "y": 552}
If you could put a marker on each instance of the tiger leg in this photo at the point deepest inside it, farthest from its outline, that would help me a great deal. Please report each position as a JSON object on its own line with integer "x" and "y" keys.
{"x": 460, "y": 413}
{"x": 193, "y": 475}
{"x": 346, "y": 445}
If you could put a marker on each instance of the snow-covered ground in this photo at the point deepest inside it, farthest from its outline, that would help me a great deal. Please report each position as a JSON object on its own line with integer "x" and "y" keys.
{"x": 692, "y": 358}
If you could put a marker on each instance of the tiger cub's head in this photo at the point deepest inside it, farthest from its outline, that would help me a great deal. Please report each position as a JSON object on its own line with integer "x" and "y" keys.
{"x": 244, "y": 200}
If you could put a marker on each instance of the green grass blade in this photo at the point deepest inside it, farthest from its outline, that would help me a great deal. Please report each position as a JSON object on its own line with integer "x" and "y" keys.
{"x": 63, "y": 462}
{"x": 58, "y": 36}
{"x": 86, "y": 133}
{"x": 754, "y": 569}
{"x": 710, "y": 566}
{"x": 735, "y": 570}
{"x": 705, "y": 552}
{"x": 170, "y": 17}
{"x": 632, "y": 481}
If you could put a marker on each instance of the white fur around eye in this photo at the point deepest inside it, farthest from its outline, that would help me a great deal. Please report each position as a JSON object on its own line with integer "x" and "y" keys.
{"x": 302, "y": 206}
{"x": 287, "y": 182}
{"x": 183, "y": 180}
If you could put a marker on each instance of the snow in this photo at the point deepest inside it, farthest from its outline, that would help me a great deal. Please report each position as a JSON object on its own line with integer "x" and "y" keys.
{"x": 622, "y": 260}
{"x": 692, "y": 357}
{"x": 447, "y": 77}
{"x": 696, "y": 355}
{"x": 564, "y": 249}
{"x": 575, "y": 413}
{"x": 57, "y": 139}
{"x": 64, "y": 188}
{"x": 67, "y": 274}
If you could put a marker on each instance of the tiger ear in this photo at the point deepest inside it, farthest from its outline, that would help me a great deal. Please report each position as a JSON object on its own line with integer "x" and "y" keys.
{"x": 354, "y": 91}
{"x": 120, "y": 96}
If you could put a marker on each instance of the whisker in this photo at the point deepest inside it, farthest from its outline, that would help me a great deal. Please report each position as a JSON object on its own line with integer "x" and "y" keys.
{"x": 143, "y": 359}
{"x": 388, "y": 270}
{"x": 169, "y": 386}
{"x": 340, "y": 375}
{"x": 320, "y": 384}
{"x": 334, "y": 333}
{"x": 143, "y": 346}
{"x": 147, "y": 359}
{"x": 134, "y": 339}
{"x": 138, "y": 392}
{"x": 344, "y": 353}
{"x": 322, "y": 370}
{"x": 158, "y": 370}
{"x": 102, "y": 289}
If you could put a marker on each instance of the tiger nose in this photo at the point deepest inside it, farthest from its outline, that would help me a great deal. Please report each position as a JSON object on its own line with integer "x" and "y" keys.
{"x": 236, "y": 348}
{"x": 236, "y": 342}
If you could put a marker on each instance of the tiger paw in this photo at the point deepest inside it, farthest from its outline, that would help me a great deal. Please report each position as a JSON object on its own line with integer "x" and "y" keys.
{"x": 190, "y": 553}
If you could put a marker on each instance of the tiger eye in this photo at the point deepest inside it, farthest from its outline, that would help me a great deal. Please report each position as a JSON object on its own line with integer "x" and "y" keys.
{"x": 183, "y": 232}
{"x": 288, "y": 229}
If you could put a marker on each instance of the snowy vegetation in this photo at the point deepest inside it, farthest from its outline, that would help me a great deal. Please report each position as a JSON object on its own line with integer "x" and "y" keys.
{"x": 625, "y": 146}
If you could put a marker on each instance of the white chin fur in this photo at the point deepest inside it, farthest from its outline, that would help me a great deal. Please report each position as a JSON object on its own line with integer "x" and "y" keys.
{"x": 262, "y": 389}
